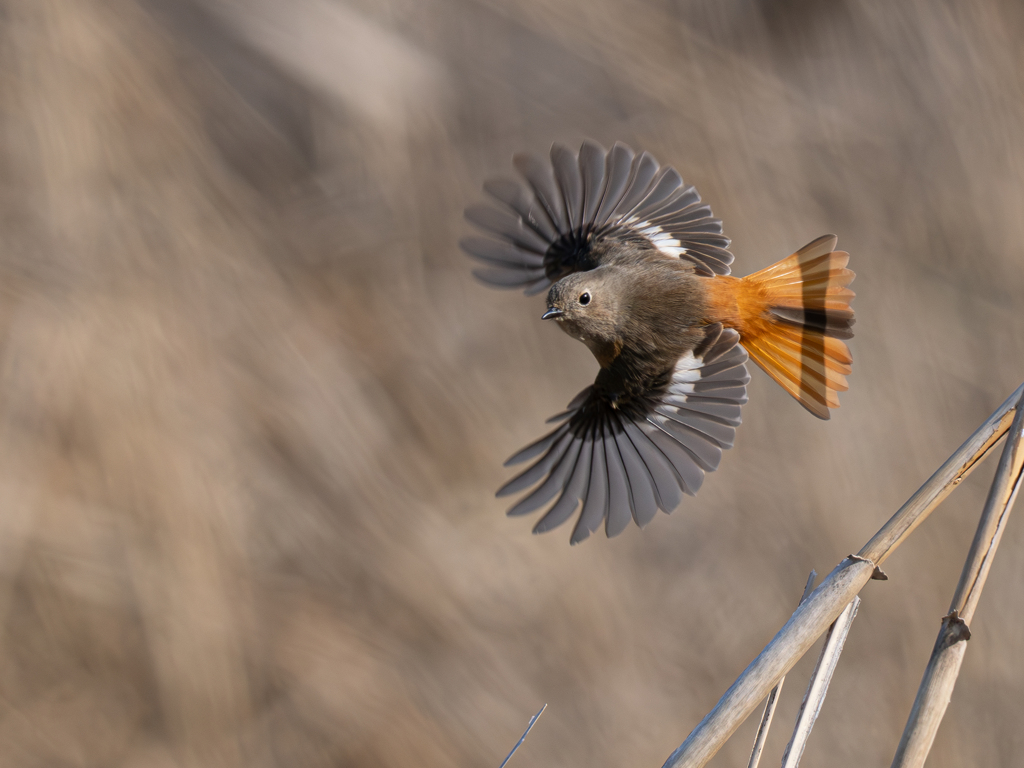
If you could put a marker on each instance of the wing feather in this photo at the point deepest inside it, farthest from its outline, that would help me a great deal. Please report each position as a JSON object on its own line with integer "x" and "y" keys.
{"x": 641, "y": 486}
{"x": 592, "y": 164}
{"x": 575, "y": 489}
{"x": 539, "y": 176}
{"x": 628, "y": 461}
{"x": 665, "y": 483}
{"x": 554, "y": 483}
{"x": 567, "y": 174}
{"x": 645, "y": 168}
{"x": 620, "y": 508}
{"x": 501, "y": 253}
{"x": 595, "y": 503}
{"x": 618, "y": 167}
{"x": 516, "y": 197}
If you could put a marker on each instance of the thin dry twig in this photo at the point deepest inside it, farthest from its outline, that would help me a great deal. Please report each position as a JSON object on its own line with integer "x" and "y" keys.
{"x": 825, "y": 604}
{"x": 944, "y": 665}
{"x": 529, "y": 727}
{"x": 773, "y": 697}
{"x": 817, "y": 688}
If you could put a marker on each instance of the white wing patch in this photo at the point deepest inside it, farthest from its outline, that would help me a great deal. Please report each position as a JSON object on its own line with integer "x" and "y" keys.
{"x": 686, "y": 374}
{"x": 662, "y": 240}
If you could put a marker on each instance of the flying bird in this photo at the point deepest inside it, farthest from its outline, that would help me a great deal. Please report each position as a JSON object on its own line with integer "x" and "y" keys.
{"x": 637, "y": 268}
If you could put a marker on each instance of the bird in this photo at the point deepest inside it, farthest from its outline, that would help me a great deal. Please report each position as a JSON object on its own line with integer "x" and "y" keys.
{"x": 638, "y": 269}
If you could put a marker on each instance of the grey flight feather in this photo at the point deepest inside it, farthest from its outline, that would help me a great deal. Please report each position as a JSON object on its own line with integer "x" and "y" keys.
{"x": 619, "y": 506}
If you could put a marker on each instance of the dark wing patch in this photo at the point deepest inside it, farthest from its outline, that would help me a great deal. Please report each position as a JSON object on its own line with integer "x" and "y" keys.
{"x": 544, "y": 230}
{"x": 627, "y": 463}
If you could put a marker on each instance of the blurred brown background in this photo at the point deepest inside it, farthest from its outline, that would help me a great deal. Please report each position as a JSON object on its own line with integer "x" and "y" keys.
{"x": 253, "y": 407}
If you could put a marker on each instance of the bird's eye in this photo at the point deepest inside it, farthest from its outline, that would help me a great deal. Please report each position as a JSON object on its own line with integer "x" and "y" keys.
{"x": 585, "y": 298}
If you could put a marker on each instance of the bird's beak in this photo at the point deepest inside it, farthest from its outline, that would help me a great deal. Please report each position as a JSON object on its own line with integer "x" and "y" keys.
{"x": 552, "y": 313}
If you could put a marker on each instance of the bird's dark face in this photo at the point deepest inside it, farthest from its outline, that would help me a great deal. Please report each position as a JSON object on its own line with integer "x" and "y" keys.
{"x": 586, "y": 305}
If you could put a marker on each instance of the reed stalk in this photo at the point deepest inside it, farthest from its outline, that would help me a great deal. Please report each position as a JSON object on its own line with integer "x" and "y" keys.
{"x": 813, "y": 617}
{"x": 944, "y": 665}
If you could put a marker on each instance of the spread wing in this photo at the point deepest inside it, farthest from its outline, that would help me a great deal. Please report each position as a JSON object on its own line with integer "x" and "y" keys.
{"x": 543, "y": 230}
{"x": 627, "y": 464}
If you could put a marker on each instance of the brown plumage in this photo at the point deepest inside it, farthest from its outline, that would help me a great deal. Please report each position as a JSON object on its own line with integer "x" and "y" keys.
{"x": 638, "y": 270}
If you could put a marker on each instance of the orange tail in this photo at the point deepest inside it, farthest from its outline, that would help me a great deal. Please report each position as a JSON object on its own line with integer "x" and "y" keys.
{"x": 792, "y": 318}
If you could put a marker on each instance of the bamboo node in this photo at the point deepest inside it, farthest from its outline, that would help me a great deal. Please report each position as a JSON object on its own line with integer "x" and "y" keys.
{"x": 861, "y": 559}
{"x": 955, "y": 629}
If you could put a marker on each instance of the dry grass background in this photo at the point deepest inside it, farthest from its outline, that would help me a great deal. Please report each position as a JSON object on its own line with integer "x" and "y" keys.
{"x": 253, "y": 407}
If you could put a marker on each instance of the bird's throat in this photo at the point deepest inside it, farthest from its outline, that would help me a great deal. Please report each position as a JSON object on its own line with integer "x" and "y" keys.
{"x": 605, "y": 351}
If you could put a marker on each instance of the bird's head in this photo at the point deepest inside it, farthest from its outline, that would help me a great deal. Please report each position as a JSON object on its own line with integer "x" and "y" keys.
{"x": 587, "y": 305}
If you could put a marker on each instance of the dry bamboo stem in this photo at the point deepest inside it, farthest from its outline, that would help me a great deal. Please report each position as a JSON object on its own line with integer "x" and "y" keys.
{"x": 773, "y": 697}
{"x": 944, "y": 665}
{"x": 812, "y": 618}
{"x": 818, "y": 685}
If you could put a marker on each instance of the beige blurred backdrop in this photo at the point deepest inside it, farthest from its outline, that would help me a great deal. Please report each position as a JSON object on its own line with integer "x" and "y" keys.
{"x": 253, "y": 407}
